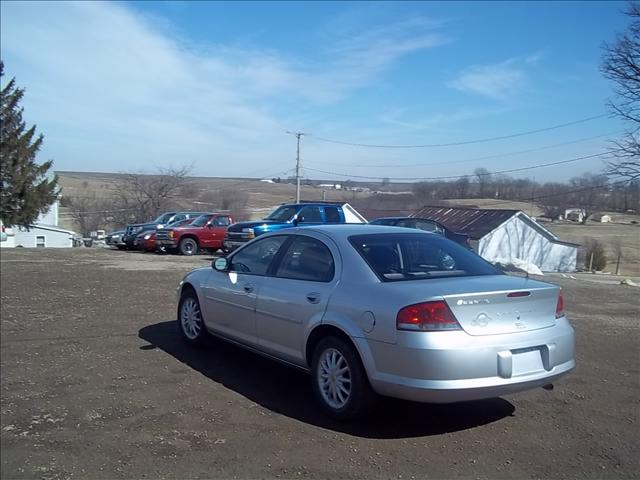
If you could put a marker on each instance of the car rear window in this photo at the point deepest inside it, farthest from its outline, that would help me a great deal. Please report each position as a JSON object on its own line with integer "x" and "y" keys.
{"x": 406, "y": 256}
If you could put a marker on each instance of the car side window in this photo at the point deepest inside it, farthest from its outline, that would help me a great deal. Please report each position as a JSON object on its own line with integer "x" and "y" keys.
{"x": 221, "y": 221}
{"x": 256, "y": 258}
{"x": 310, "y": 215}
{"x": 427, "y": 226}
{"x": 407, "y": 223}
{"x": 332, "y": 214}
{"x": 307, "y": 259}
{"x": 178, "y": 218}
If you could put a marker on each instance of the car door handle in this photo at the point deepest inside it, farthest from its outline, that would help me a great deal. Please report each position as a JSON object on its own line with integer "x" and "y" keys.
{"x": 313, "y": 297}
{"x": 248, "y": 288}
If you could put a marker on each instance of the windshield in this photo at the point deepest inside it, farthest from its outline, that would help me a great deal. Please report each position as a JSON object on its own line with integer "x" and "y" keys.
{"x": 283, "y": 214}
{"x": 164, "y": 218}
{"x": 201, "y": 221}
{"x": 401, "y": 256}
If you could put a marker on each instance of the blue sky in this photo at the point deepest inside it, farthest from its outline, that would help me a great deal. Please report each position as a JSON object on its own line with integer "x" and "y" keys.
{"x": 133, "y": 86}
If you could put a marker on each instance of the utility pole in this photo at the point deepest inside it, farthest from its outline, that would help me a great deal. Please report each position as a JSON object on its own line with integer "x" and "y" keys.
{"x": 298, "y": 135}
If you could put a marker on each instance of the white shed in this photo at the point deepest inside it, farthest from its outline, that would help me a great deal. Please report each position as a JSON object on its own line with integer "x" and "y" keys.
{"x": 507, "y": 236}
{"x": 44, "y": 233}
{"x": 43, "y": 236}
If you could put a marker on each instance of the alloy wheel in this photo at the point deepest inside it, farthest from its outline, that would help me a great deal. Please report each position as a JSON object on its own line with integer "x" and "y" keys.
{"x": 334, "y": 378}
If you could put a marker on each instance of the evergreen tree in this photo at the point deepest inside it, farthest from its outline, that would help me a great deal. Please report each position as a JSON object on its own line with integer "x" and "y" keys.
{"x": 25, "y": 188}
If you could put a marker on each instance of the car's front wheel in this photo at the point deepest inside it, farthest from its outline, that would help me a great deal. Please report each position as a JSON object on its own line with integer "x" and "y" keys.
{"x": 188, "y": 246}
{"x": 340, "y": 383}
{"x": 190, "y": 320}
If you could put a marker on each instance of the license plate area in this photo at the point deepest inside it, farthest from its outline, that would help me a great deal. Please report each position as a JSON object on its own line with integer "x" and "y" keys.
{"x": 526, "y": 360}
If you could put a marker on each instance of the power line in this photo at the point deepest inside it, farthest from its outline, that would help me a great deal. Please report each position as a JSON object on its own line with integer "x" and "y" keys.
{"x": 451, "y": 177}
{"x": 465, "y": 142}
{"x": 487, "y": 157}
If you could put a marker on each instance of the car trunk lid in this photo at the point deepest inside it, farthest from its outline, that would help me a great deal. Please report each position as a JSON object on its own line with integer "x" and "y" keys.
{"x": 509, "y": 305}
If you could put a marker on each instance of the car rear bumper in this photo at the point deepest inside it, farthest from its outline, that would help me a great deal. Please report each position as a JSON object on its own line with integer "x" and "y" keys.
{"x": 446, "y": 367}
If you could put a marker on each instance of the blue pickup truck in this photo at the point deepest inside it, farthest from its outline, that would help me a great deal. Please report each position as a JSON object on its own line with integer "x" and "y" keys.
{"x": 291, "y": 215}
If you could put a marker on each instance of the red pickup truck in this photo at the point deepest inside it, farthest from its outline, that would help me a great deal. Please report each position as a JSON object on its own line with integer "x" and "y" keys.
{"x": 205, "y": 233}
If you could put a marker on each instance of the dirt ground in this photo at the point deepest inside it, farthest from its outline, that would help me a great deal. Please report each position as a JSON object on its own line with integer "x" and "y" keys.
{"x": 96, "y": 384}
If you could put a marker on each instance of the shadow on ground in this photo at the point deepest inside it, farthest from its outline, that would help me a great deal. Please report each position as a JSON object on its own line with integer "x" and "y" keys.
{"x": 288, "y": 392}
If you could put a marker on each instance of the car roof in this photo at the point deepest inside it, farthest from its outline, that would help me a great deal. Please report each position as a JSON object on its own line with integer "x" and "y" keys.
{"x": 312, "y": 204}
{"x": 345, "y": 230}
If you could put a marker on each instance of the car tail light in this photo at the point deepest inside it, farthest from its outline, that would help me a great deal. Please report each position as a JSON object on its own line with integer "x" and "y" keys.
{"x": 427, "y": 316}
{"x": 560, "y": 306}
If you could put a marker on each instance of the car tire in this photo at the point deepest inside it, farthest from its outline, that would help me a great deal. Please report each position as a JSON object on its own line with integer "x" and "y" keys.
{"x": 188, "y": 246}
{"x": 190, "y": 319}
{"x": 342, "y": 394}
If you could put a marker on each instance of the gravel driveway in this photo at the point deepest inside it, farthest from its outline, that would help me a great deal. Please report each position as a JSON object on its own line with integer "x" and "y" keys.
{"x": 96, "y": 384}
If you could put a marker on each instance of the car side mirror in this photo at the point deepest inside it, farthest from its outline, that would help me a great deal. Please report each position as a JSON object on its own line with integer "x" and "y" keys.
{"x": 220, "y": 264}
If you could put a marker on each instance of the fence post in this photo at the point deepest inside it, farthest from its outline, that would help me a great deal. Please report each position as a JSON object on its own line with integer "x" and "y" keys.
{"x": 591, "y": 263}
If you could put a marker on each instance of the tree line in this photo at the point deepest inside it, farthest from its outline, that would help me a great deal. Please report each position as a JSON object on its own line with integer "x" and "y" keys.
{"x": 590, "y": 192}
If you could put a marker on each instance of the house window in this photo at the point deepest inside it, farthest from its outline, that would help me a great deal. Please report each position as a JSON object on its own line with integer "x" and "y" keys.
{"x": 40, "y": 241}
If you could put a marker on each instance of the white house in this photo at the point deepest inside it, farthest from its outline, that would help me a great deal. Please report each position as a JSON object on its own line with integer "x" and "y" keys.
{"x": 44, "y": 233}
{"x": 507, "y": 236}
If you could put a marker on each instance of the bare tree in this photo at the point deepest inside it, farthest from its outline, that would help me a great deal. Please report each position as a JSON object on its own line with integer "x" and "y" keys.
{"x": 588, "y": 193}
{"x": 483, "y": 177}
{"x": 84, "y": 211}
{"x": 621, "y": 64}
{"x": 143, "y": 197}
{"x": 462, "y": 187}
{"x": 233, "y": 201}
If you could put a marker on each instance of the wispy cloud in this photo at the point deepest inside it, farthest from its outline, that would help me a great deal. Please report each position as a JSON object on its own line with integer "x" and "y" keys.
{"x": 112, "y": 89}
{"x": 439, "y": 121}
{"x": 499, "y": 81}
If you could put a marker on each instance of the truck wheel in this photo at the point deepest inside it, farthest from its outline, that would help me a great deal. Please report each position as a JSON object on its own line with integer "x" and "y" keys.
{"x": 188, "y": 246}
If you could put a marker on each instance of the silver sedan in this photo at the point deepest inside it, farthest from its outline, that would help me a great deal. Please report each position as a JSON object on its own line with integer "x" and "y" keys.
{"x": 373, "y": 310}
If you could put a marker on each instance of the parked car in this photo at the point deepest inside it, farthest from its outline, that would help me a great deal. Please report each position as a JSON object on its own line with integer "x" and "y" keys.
{"x": 114, "y": 239}
{"x": 425, "y": 224}
{"x": 370, "y": 310}
{"x": 292, "y": 215}
{"x": 6, "y": 235}
{"x": 145, "y": 241}
{"x": 132, "y": 230}
{"x": 206, "y": 232}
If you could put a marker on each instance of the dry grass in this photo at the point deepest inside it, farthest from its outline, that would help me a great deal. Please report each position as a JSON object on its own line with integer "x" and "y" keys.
{"x": 625, "y": 234}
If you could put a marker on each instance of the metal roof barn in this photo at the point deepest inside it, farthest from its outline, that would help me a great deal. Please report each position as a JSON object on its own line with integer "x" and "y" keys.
{"x": 507, "y": 236}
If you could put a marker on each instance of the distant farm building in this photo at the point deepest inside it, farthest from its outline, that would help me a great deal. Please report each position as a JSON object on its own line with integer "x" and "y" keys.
{"x": 601, "y": 217}
{"x": 575, "y": 214}
{"x": 507, "y": 236}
